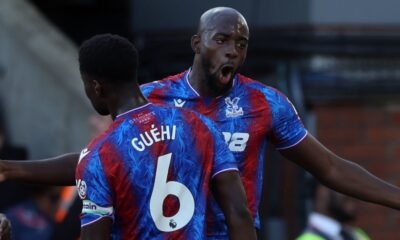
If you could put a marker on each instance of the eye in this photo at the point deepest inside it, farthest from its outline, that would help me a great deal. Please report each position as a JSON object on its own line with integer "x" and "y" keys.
{"x": 219, "y": 40}
{"x": 242, "y": 45}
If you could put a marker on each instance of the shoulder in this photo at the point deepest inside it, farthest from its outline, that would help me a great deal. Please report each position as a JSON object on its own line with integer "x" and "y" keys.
{"x": 97, "y": 145}
{"x": 177, "y": 112}
{"x": 105, "y": 136}
{"x": 163, "y": 83}
{"x": 270, "y": 93}
{"x": 187, "y": 116}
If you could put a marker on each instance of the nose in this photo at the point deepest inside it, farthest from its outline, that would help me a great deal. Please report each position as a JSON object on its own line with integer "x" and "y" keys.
{"x": 231, "y": 51}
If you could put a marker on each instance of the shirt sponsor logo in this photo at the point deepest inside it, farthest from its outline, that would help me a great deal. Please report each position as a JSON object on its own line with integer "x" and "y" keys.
{"x": 179, "y": 102}
{"x": 90, "y": 207}
{"x": 232, "y": 108}
{"x": 82, "y": 188}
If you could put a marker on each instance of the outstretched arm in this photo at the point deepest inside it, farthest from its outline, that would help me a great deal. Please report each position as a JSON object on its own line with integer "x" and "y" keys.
{"x": 52, "y": 171}
{"x": 342, "y": 175}
{"x": 229, "y": 193}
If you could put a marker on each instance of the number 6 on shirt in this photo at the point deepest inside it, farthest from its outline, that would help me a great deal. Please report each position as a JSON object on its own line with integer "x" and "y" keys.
{"x": 161, "y": 190}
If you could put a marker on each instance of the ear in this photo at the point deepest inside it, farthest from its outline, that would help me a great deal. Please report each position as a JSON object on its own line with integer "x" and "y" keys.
{"x": 195, "y": 42}
{"x": 98, "y": 88}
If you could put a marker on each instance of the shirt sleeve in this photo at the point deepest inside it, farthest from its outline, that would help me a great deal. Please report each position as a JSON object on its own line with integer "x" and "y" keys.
{"x": 146, "y": 89}
{"x": 287, "y": 127}
{"x": 223, "y": 157}
{"x": 93, "y": 189}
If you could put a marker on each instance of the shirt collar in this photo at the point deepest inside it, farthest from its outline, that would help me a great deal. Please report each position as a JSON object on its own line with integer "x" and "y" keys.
{"x": 133, "y": 110}
{"x": 186, "y": 78}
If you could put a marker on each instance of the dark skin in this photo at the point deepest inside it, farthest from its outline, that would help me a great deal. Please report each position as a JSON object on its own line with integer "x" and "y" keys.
{"x": 101, "y": 230}
{"x": 210, "y": 77}
{"x": 335, "y": 205}
{"x": 222, "y": 38}
{"x": 227, "y": 187}
{"x": 220, "y": 49}
{"x": 342, "y": 175}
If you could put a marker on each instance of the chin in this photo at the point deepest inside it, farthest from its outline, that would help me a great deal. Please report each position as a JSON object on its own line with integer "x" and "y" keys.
{"x": 225, "y": 85}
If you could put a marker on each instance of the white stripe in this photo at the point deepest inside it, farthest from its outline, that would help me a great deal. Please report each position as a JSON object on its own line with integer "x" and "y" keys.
{"x": 294, "y": 144}
{"x": 234, "y": 80}
{"x": 83, "y": 225}
{"x": 187, "y": 80}
{"x": 225, "y": 170}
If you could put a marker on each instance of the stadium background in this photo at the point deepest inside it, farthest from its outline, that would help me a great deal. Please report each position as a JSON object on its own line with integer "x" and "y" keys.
{"x": 339, "y": 61}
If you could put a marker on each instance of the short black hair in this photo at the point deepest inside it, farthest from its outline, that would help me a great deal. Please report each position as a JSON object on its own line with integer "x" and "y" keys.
{"x": 109, "y": 58}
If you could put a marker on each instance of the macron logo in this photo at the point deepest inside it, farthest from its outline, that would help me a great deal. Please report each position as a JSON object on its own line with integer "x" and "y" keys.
{"x": 83, "y": 154}
{"x": 179, "y": 102}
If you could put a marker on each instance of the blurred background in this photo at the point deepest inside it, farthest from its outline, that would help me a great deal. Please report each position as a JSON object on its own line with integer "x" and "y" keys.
{"x": 338, "y": 61}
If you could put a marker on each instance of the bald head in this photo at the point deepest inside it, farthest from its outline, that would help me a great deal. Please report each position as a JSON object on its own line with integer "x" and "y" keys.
{"x": 216, "y": 16}
{"x": 220, "y": 48}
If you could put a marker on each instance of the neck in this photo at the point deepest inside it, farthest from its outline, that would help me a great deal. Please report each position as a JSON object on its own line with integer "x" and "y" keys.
{"x": 204, "y": 84}
{"x": 125, "y": 102}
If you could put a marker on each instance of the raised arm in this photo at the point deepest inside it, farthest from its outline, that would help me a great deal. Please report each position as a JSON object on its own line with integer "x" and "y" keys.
{"x": 342, "y": 175}
{"x": 52, "y": 171}
{"x": 229, "y": 193}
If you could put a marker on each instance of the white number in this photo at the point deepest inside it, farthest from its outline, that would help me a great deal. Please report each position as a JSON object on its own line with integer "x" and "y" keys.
{"x": 161, "y": 190}
{"x": 237, "y": 142}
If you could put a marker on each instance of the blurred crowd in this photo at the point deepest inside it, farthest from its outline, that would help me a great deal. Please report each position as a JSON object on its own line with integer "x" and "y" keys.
{"x": 36, "y": 211}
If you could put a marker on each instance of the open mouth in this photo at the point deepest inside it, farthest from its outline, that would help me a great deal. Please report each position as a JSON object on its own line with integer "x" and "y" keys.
{"x": 226, "y": 74}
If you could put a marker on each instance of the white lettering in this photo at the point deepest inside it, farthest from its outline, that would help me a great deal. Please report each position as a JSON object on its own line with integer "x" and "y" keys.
{"x": 161, "y": 189}
{"x": 165, "y": 132}
{"x": 155, "y": 133}
{"x": 173, "y": 132}
{"x": 227, "y": 136}
{"x": 138, "y": 146}
{"x": 152, "y": 136}
{"x": 150, "y": 140}
{"x": 236, "y": 142}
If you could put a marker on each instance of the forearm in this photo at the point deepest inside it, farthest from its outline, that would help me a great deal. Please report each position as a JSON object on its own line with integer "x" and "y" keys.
{"x": 230, "y": 195}
{"x": 53, "y": 171}
{"x": 241, "y": 225}
{"x": 351, "y": 179}
{"x": 342, "y": 175}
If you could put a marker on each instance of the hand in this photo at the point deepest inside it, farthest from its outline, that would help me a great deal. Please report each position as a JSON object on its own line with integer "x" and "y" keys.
{"x": 5, "y": 228}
